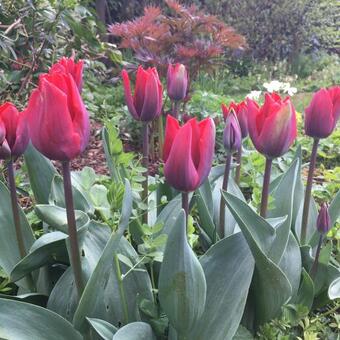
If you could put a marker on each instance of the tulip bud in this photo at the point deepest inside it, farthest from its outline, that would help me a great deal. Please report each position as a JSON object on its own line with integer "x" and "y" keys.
{"x": 232, "y": 133}
{"x": 272, "y": 127}
{"x": 323, "y": 223}
{"x": 188, "y": 152}
{"x": 177, "y": 82}
{"x": 146, "y": 104}
{"x": 68, "y": 65}
{"x": 58, "y": 121}
{"x": 323, "y": 113}
{"x": 14, "y": 135}
{"x": 241, "y": 112}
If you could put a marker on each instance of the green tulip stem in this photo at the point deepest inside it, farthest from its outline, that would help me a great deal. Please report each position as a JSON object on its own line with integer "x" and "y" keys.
{"x": 160, "y": 135}
{"x": 265, "y": 188}
{"x": 16, "y": 219}
{"x": 315, "y": 265}
{"x": 308, "y": 191}
{"x": 175, "y": 108}
{"x": 238, "y": 168}
{"x": 72, "y": 229}
{"x": 146, "y": 150}
{"x": 15, "y": 209}
{"x": 224, "y": 188}
{"x": 185, "y": 206}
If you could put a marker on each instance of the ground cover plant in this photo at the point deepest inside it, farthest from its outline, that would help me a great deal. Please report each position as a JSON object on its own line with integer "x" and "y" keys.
{"x": 146, "y": 210}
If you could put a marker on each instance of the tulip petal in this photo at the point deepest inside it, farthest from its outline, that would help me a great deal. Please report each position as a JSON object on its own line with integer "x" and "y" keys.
{"x": 5, "y": 151}
{"x": 206, "y": 148}
{"x": 142, "y": 77}
{"x": 171, "y": 129}
{"x": 2, "y": 131}
{"x": 128, "y": 95}
{"x": 179, "y": 168}
{"x": 278, "y": 132}
{"x": 9, "y": 115}
{"x": 22, "y": 136}
{"x": 335, "y": 96}
{"x": 151, "y": 99}
{"x": 253, "y": 112}
{"x": 319, "y": 121}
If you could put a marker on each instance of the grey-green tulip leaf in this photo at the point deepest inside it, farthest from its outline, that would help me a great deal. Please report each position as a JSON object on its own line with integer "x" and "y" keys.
{"x": 103, "y": 328}
{"x": 182, "y": 284}
{"x": 135, "y": 331}
{"x": 334, "y": 289}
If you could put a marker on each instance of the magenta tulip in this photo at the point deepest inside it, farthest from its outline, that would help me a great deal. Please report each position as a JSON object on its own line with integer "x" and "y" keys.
{"x": 146, "y": 104}
{"x": 177, "y": 82}
{"x": 58, "y": 121}
{"x": 323, "y": 113}
{"x": 14, "y": 135}
{"x": 188, "y": 152}
{"x": 232, "y": 137}
{"x": 241, "y": 112}
{"x": 68, "y": 65}
{"x": 272, "y": 127}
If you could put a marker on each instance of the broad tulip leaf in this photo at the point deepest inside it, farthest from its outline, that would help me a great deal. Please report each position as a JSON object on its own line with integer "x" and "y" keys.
{"x": 9, "y": 251}
{"x": 91, "y": 303}
{"x": 56, "y": 217}
{"x": 33, "y": 298}
{"x": 46, "y": 249}
{"x": 271, "y": 288}
{"x": 63, "y": 298}
{"x": 104, "y": 329}
{"x": 283, "y": 195}
{"x": 334, "y": 208}
{"x": 243, "y": 334}
{"x": 57, "y": 196}
{"x": 40, "y": 172}
{"x": 305, "y": 294}
{"x": 291, "y": 263}
{"x": 135, "y": 331}
{"x": 228, "y": 267}
{"x": 20, "y": 320}
{"x": 334, "y": 289}
{"x": 182, "y": 284}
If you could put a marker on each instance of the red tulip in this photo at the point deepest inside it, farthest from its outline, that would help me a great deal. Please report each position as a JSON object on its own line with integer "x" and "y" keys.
{"x": 58, "y": 121}
{"x": 68, "y": 65}
{"x": 177, "y": 81}
{"x": 188, "y": 152}
{"x": 272, "y": 127}
{"x": 323, "y": 113}
{"x": 241, "y": 112}
{"x": 323, "y": 222}
{"x": 146, "y": 104}
{"x": 232, "y": 138}
{"x": 14, "y": 135}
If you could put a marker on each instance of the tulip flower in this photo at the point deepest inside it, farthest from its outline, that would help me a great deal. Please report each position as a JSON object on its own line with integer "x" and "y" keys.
{"x": 14, "y": 135}
{"x": 323, "y": 225}
{"x": 68, "y": 65}
{"x": 232, "y": 139}
{"x": 241, "y": 112}
{"x": 323, "y": 113}
{"x": 177, "y": 82}
{"x": 146, "y": 104}
{"x": 188, "y": 154}
{"x": 272, "y": 129}
{"x": 321, "y": 117}
{"x": 58, "y": 121}
{"x": 60, "y": 129}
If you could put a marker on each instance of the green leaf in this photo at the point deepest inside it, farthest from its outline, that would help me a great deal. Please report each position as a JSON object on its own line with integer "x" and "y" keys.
{"x": 33, "y": 298}
{"x": 271, "y": 288}
{"x": 283, "y": 196}
{"x": 334, "y": 208}
{"x": 9, "y": 251}
{"x": 104, "y": 329}
{"x": 305, "y": 294}
{"x": 135, "y": 331}
{"x": 182, "y": 285}
{"x": 57, "y": 196}
{"x": 20, "y": 320}
{"x": 40, "y": 172}
{"x": 334, "y": 289}
{"x": 243, "y": 334}
{"x": 228, "y": 267}
{"x": 90, "y": 305}
{"x": 46, "y": 249}
{"x": 98, "y": 194}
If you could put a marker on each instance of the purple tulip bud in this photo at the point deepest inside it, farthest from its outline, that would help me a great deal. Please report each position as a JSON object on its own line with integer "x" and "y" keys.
{"x": 232, "y": 133}
{"x": 323, "y": 222}
{"x": 177, "y": 81}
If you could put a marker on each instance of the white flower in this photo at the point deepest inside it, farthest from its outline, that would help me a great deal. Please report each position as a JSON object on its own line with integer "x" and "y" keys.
{"x": 255, "y": 95}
